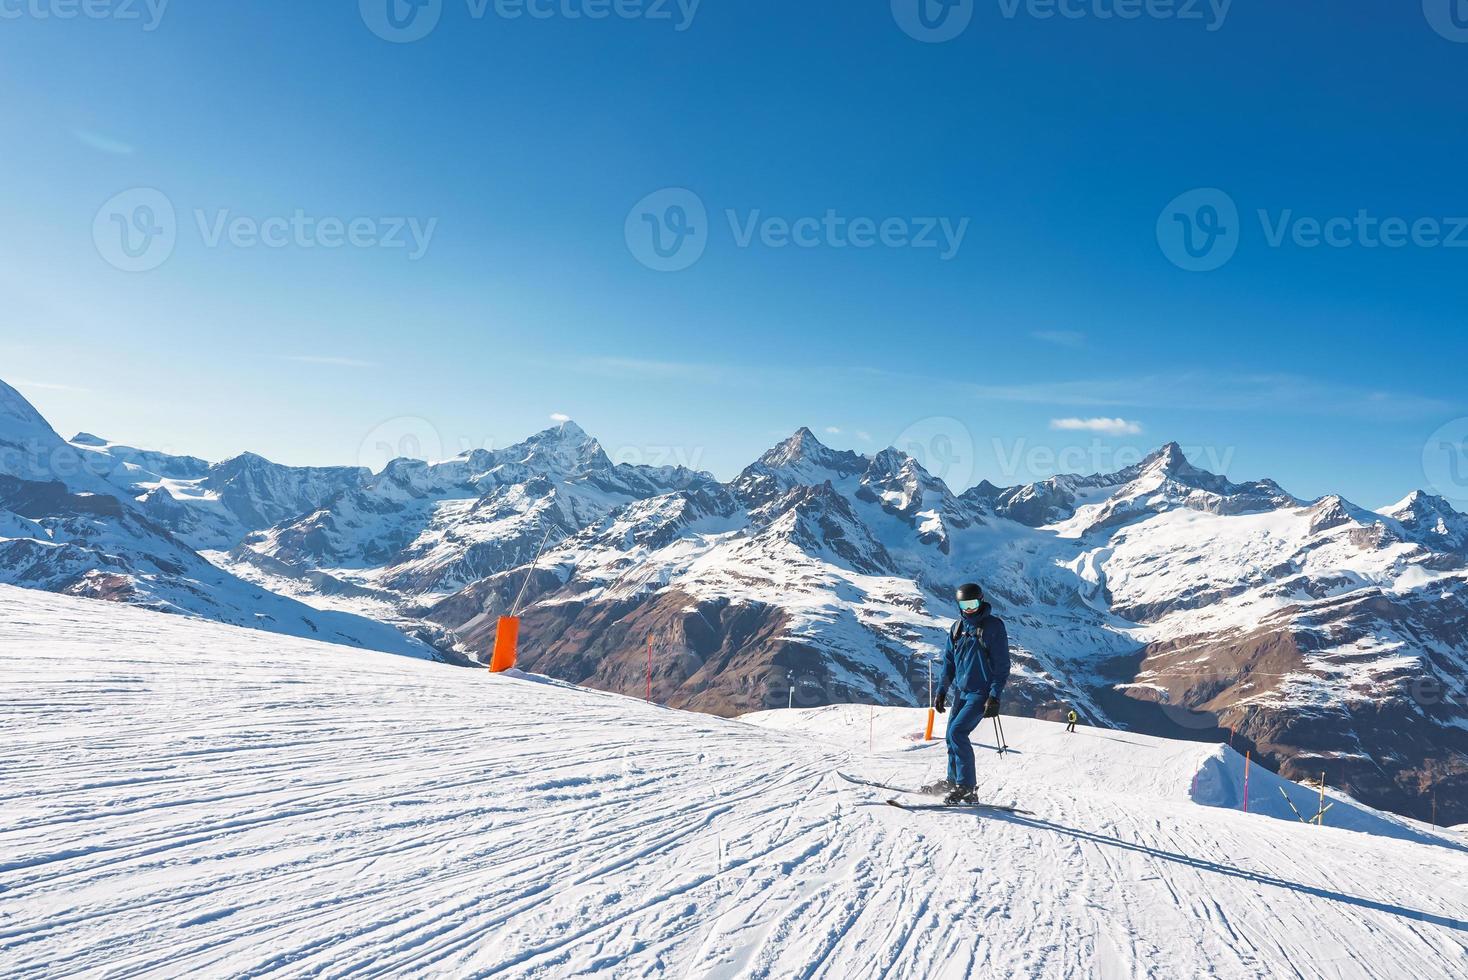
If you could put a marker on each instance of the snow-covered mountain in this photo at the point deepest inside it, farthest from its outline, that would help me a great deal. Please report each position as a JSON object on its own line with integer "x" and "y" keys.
{"x": 422, "y": 528}
{"x": 212, "y": 507}
{"x": 1431, "y": 522}
{"x": 187, "y": 799}
{"x": 64, "y": 528}
{"x": 1162, "y": 597}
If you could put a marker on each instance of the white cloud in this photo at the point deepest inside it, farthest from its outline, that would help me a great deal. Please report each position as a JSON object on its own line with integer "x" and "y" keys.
{"x": 833, "y": 430}
{"x": 106, "y": 144}
{"x": 632, "y": 368}
{"x": 1201, "y": 391}
{"x": 347, "y": 362}
{"x": 561, "y": 417}
{"x": 1110, "y": 427}
{"x": 863, "y": 436}
{"x": 1061, "y": 338}
{"x": 46, "y": 386}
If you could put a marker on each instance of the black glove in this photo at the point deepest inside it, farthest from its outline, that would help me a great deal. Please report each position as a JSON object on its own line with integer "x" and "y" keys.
{"x": 991, "y": 708}
{"x": 941, "y": 705}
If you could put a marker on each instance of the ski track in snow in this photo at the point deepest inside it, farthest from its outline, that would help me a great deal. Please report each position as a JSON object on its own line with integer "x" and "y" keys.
{"x": 183, "y": 798}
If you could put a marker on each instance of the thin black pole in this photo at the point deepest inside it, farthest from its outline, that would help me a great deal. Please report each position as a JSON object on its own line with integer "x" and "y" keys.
{"x": 515, "y": 609}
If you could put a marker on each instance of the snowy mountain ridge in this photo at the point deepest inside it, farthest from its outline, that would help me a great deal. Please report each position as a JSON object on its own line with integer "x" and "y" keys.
{"x": 65, "y": 528}
{"x": 1161, "y": 597}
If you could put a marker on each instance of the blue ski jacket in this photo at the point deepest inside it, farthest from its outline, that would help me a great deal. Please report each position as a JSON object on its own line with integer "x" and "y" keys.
{"x": 977, "y": 662}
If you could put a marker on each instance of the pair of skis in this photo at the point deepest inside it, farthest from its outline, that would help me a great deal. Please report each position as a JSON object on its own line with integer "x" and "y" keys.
{"x": 924, "y": 807}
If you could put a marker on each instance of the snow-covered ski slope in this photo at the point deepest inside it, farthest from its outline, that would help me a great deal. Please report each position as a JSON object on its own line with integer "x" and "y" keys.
{"x": 181, "y": 798}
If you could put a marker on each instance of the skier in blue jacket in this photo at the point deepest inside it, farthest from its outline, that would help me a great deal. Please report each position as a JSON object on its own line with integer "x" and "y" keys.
{"x": 975, "y": 669}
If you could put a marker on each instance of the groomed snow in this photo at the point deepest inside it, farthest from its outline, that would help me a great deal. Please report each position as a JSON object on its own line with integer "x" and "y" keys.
{"x": 187, "y": 799}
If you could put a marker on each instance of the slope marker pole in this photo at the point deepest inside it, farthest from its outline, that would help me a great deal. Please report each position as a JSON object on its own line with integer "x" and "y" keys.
{"x": 1292, "y": 805}
{"x": 1248, "y": 757}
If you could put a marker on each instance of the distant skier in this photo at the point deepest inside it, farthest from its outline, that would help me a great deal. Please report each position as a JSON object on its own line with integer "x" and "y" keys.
{"x": 975, "y": 668}
{"x": 1072, "y": 718}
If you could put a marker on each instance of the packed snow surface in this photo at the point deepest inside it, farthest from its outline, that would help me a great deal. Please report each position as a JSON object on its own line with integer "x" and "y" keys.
{"x": 184, "y": 798}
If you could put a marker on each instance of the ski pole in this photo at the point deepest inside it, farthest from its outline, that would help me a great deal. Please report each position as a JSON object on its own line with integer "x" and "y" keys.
{"x": 999, "y": 736}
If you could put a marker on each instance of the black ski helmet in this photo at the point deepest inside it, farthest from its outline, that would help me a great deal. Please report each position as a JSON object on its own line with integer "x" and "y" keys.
{"x": 968, "y": 592}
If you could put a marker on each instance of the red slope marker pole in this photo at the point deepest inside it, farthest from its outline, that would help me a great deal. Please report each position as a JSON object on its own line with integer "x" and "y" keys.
{"x": 649, "y": 667}
{"x": 1248, "y": 756}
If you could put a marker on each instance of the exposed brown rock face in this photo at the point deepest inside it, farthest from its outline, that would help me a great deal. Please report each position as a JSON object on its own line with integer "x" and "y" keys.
{"x": 722, "y": 657}
{"x": 1388, "y": 736}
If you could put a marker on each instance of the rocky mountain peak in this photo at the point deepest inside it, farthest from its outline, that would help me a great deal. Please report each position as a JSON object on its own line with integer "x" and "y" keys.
{"x": 566, "y": 448}
{"x": 1422, "y": 503}
{"x": 801, "y": 447}
{"x": 803, "y": 452}
{"x": 1431, "y": 521}
{"x": 1172, "y": 462}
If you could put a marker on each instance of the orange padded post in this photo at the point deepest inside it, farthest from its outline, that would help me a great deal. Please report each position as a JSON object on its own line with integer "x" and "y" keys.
{"x": 506, "y": 640}
{"x": 928, "y": 735}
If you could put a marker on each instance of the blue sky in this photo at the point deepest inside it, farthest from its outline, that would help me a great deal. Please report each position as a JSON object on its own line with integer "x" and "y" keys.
{"x": 529, "y": 154}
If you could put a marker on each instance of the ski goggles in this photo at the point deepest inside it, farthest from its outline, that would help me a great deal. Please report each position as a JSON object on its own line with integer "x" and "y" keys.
{"x": 970, "y": 605}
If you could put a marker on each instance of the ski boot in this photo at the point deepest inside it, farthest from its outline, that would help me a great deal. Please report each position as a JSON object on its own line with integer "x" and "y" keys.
{"x": 960, "y": 795}
{"x": 941, "y": 788}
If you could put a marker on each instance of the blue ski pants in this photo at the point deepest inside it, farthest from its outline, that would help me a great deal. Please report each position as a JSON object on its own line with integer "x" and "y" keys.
{"x": 965, "y": 715}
